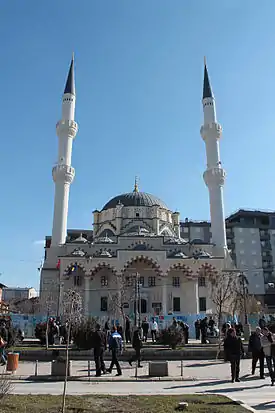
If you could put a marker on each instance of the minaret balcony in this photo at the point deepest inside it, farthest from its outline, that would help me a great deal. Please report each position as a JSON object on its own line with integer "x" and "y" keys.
{"x": 66, "y": 127}
{"x": 63, "y": 173}
{"x": 214, "y": 177}
{"x": 211, "y": 130}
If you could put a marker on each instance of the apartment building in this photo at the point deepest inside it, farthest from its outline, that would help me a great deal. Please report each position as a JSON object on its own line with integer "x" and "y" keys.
{"x": 251, "y": 239}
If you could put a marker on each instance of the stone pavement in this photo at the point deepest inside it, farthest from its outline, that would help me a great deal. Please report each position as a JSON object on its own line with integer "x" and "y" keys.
{"x": 199, "y": 377}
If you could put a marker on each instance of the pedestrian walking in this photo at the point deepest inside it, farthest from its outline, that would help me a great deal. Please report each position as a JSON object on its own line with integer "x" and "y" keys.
{"x": 128, "y": 330}
{"x": 198, "y": 329}
{"x": 3, "y": 357}
{"x": 204, "y": 328}
{"x": 100, "y": 345}
{"x": 137, "y": 344}
{"x": 145, "y": 329}
{"x": 255, "y": 347}
{"x": 233, "y": 349}
{"x": 115, "y": 346}
{"x": 267, "y": 340}
{"x": 154, "y": 330}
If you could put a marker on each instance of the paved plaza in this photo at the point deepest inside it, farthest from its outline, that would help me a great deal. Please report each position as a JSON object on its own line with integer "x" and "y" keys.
{"x": 199, "y": 377}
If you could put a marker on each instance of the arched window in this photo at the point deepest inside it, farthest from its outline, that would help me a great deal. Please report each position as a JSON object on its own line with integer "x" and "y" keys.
{"x": 143, "y": 306}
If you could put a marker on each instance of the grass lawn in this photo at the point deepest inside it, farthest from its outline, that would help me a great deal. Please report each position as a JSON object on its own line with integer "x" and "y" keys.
{"x": 119, "y": 404}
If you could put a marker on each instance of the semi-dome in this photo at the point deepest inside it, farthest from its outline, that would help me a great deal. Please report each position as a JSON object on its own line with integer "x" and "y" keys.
{"x": 133, "y": 199}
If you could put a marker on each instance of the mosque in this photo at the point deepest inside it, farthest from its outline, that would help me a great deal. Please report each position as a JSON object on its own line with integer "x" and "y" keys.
{"x": 135, "y": 248}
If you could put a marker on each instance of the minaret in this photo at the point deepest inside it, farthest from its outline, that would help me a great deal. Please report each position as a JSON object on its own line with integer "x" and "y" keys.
{"x": 214, "y": 176}
{"x": 63, "y": 173}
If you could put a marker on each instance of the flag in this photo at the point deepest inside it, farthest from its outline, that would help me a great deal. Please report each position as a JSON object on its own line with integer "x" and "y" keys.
{"x": 58, "y": 264}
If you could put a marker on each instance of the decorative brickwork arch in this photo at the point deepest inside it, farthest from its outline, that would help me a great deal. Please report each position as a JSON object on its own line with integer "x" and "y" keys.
{"x": 184, "y": 269}
{"x": 100, "y": 266}
{"x": 207, "y": 270}
{"x": 69, "y": 267}
{"x": 143, "y": 259}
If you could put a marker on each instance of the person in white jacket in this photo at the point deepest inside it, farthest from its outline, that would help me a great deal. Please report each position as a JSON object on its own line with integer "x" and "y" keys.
{"x": 154, "y": 330}
{"x": 266, "y": 341}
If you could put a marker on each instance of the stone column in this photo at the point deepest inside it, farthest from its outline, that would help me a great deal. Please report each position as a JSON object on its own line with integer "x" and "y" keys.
{"x": 86, "y": 295}
{"x": 164, "y": 295}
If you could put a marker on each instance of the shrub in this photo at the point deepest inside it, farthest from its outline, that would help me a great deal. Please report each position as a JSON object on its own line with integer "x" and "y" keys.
{"x": 6, "y": 386}
{"x": 82, "y": 334}
{"x": 171, "y": 337}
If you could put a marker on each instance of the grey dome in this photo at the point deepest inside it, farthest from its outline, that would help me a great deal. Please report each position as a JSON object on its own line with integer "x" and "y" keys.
{"x": 135, "y": 199}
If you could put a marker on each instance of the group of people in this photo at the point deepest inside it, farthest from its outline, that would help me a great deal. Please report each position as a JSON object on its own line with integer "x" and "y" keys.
{"x": 205, "y": 328}
{"x": 146, "y": 328}
{"x": 112, "y": 339}
{"x": 180, "y": 325}
{"x": 8, "y": 336}
{"x": 260, "y": 345}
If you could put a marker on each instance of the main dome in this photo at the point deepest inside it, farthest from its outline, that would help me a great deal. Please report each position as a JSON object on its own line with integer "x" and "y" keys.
{"x": 133, "y": 199}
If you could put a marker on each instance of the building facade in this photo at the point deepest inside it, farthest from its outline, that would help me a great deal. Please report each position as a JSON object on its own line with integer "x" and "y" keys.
{"x": 10, "y": 294}
{"x": 251, "y": 241}
{"x": 136, "y": 240}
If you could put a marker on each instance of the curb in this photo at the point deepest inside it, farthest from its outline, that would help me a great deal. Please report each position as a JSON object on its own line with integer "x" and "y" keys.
{"x": 95, "y": 379}
{"x": 244, "y": 405}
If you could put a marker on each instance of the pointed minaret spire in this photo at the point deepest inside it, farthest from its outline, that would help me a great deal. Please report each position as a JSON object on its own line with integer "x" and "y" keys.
{"x": 207, "y": 92}
{"x": 214, "y": 175}
{"x": 70, "y": 84}
{"x": 136, "y": 185}
{"x": 63, "y": 172}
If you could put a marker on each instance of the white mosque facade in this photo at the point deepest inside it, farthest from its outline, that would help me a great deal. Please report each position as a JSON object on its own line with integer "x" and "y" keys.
{"x": 135, "y": 242}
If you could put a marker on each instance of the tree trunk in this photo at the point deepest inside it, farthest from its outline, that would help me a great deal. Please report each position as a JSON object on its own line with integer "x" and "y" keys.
{"x": 67, "y": 362}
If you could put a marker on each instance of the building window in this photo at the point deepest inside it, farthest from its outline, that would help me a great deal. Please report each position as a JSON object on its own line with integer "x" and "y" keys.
{"x": 241, "y": 241}
{"x": 255, "y": 263}
{"x": 176, "y": 281}
{"x": 242, "y": 252}
{"x": 104, "y": 304}
{"x": 151, "y": 281}
{"x": 141, "y": 281}
{"x": 104, "y": 281}
{"x": 253, "y": 241}
{"x": 202, "y": 304}
{"x": 243, "y": 262}
{"x": 176, "y": 304}
{"x": 254, "y": 252}
{"x": 202, "y": 282}
{"x": 77, "y": 281}
{"x": 143, "y": 309}
{"x": 198, "y": 229}
{"x": 252, "y": 230}
{"x": 240, "y": 229}
{"x": 157, "y": 307}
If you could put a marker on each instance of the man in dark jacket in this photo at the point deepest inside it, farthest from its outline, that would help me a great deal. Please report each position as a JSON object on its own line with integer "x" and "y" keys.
{"x": 137, "y": 344}
{"x": 128, "y": 330}
{"x": 100, "y": 345}
{"x": 233, "y": 349}
{"x": 145, "y": 329}
{"x": 255, "y": 347}
{"x": 115, "y": 346}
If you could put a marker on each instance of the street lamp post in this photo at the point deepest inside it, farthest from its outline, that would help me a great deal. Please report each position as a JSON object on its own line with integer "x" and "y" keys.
{"x": 244, "y": 283}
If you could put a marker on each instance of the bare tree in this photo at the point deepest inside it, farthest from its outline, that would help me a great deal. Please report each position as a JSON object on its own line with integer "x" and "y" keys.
{"x": 72, "y": 305}
{"x": 123, "y": 297}
{"x": 223, "y": 287}
{"x": 49, "y": 306}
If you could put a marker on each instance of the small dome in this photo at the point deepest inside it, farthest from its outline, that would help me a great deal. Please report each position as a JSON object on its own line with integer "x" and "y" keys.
{"x": 79, "y": 240}
{"x": 103, "y": 240}
{"x": 135, "y": 199}
{"x": 178, "y": 254}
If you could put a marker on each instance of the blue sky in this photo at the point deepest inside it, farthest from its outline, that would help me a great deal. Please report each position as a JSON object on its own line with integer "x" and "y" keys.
{"x": 139, "y": 68}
